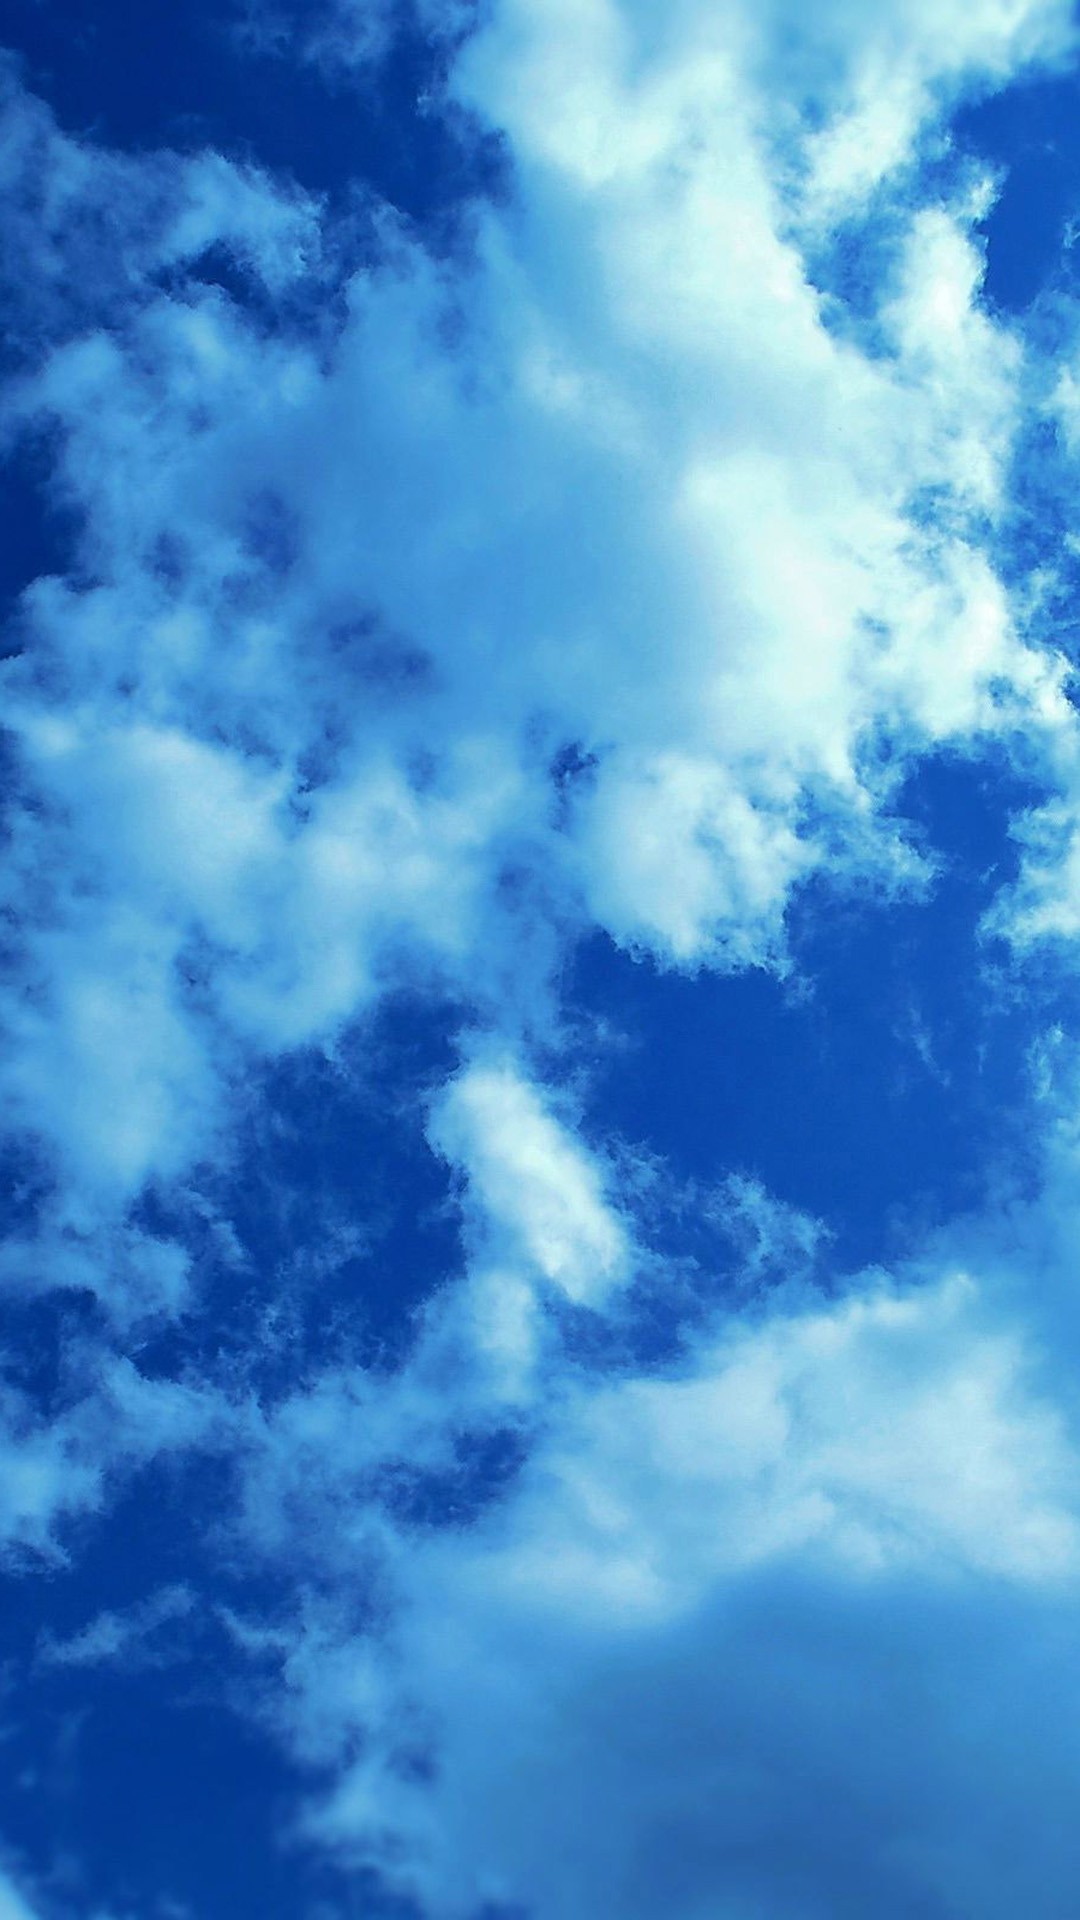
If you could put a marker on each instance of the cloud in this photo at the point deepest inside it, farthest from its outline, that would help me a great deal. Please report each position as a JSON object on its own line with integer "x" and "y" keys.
{"x": 759, "y": 1627}
{"x": 789, "y": 1751}
{"x": 696, "y": 1619}
{"x": 280, "y": 745}
{"x": 536, "y": 1190}
{"x": 268, "y": 827}
{"x": 423, "y": 617}
{"x": 339, "y": 37}
{"x": 67, "y": 1461}
{"x": 90, "y": 232}
{"x": 126, "y": 1638}
{"x": 12, "y": 1904}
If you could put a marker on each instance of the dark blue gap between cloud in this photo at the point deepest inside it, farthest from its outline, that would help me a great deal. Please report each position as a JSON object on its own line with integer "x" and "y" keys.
{"x": 37, "y": 535}
{"x": 1032, "y": 132}
{"x": 141, "y": 74}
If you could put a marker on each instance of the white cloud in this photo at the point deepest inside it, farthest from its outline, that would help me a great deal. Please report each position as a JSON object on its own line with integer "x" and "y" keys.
{"x": 890, "y": 71}
{"x": 885, "y": 1431}
{"x": 676, "y": 858}
{"x": 352, "y": 598}
{"x": 534, "y": 1189}
{"x": 701, "y": 1583}
{"x": 600, "y": 581}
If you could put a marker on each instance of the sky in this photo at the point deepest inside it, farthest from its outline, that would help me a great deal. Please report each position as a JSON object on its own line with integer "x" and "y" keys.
{"x": 540, "y": 764}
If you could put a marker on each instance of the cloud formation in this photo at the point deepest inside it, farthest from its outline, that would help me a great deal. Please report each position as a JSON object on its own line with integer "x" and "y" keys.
{"x": 426, "y": 615}
{"x": 631, "y": 585}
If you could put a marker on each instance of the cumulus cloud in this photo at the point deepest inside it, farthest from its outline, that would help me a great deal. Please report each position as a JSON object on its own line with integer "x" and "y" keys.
{"x": 423, "y": 616}
{"x": 626, "y": 589}
{"x": 532, "y": 1182}
{"x": 791, "y": 1750}
{"x": 709, "y": 1589}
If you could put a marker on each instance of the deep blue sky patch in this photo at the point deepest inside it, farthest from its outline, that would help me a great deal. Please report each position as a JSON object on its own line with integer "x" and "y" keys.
{"x": 142, "y": 77}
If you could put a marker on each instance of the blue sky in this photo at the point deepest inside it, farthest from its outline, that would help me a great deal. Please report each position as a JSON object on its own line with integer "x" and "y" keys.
{"x": 541, "y": 783}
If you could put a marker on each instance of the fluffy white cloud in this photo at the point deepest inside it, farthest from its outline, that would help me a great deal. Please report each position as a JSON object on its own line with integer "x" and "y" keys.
{"x": 885, "y": 1430}
{"x": 607, "y": 577}
{"x": 532, "y": 1185}
{"x": 708, "y": 1592}
{"x": 650, "y": 519}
